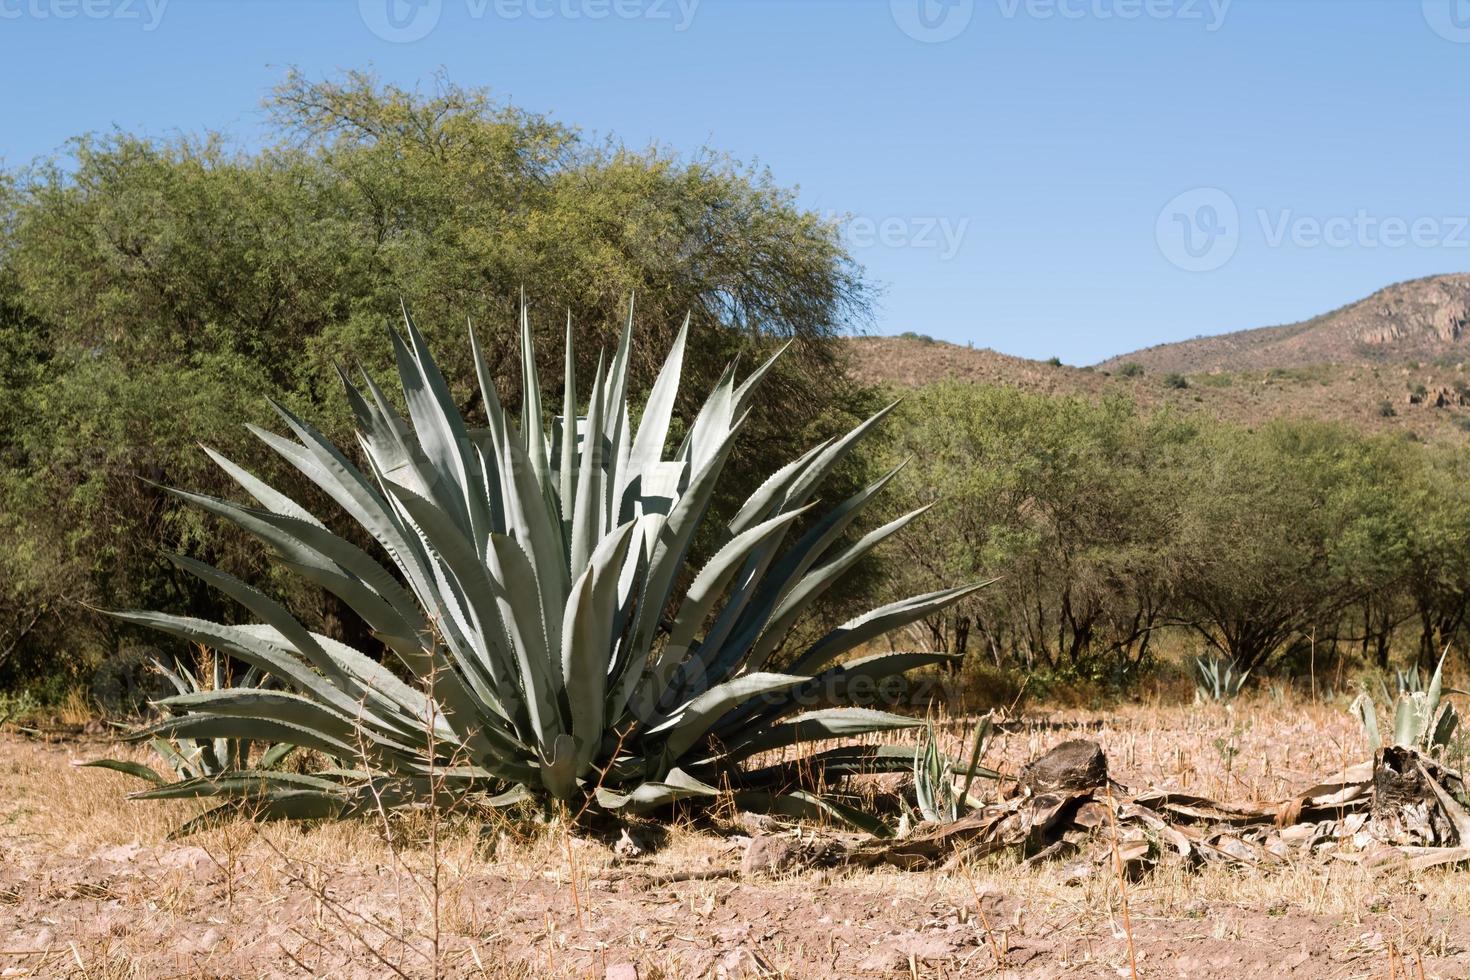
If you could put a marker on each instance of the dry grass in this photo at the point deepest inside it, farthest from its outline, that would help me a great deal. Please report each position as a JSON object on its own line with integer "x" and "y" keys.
{"x": 92, "y": 886}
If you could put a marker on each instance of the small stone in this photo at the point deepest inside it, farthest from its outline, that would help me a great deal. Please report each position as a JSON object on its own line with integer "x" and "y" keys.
{"x": 770, "y": 855}
{"x": 621, "y": 971}
{"x": 884, "y": 959}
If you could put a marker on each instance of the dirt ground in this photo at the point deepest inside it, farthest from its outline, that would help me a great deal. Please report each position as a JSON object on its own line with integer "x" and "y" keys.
{"x": 90, "y": 887}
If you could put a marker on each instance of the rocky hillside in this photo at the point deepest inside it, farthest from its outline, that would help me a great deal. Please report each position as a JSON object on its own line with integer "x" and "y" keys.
{"x": 1422, "y": 320}
{"x": 1428, "y": 400}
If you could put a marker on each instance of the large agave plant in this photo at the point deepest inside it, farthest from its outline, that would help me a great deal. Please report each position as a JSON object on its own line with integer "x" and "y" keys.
{"x": 541, "y": 601}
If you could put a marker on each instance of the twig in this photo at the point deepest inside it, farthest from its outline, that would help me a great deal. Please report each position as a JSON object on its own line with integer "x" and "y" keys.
{"x": 1122, "y": 884}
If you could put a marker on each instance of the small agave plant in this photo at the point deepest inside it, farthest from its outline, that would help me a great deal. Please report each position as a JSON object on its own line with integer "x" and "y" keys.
{"x": 1422, "y": 719}
{"x": 192, "y": 759}
{"x": 540, "y": 597}
{"x": 934, "y": 773}
{"x": 1218, "y": 681}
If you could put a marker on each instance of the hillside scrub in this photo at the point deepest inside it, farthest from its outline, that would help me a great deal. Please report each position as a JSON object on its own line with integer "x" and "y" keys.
{"x": 1112, "y": 530}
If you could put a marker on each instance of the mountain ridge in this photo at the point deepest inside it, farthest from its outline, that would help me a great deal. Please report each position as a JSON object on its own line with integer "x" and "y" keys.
{"x": 1393, "y": 362}
{"x": 1420, "y": 319}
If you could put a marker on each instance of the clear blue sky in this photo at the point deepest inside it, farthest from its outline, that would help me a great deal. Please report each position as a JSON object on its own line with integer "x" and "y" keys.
{"x": 1010, "y": 164}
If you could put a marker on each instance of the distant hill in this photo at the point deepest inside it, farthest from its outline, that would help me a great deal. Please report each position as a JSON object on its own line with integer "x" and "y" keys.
{"x": 1422, "y": 320}
{"x": 1395, "y": 362}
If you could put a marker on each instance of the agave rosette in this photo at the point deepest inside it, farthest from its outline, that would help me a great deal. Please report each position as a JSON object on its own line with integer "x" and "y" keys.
{"x": 538, "y": 594}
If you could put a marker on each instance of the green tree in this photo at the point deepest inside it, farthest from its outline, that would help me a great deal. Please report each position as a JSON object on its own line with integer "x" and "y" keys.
{"x": 153, "y": 292}
{"x": 1062, "y": 500}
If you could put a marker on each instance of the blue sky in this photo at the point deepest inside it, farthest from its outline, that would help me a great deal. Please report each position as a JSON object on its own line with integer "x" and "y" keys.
{"x": 1045, "y": 177}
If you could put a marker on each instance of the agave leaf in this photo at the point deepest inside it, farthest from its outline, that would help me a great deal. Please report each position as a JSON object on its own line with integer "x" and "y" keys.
{"x": 533, "y": 444}
{"x": 261, "y": 729}
{"x": 670, "y": 548}
{"x": 275, "y": 755}
{"x": 885, "y": 619}
{"x": 653, "y": 427}
{"x": 1362, "y": 707}
{"x": 441, "y": 431}
{"x": 677, "y": 785}
{"x": 810, "y": 806}
{"x": 243, "y": 783}
{"x": 813, "y": 586}
{"x": 126, "y": 766}
{"x": 1444, "y": 728}
{"x": 749, "y": 387}
{"x": 587, "y": 513}
{"x": 279, "y": 805}
{"x": 831, "y": 765}
{"x": 833, "y": 454}
{"x": 694, "y": 720}
{"x": 708, "y": 587}
{"x": 1410, "y": 719}
{"x": 520, "y": 614}
{"x": 269, "y": 610}
{"x": 818, "y": 725}
{"x": 293, "y": 709}
{"x": 812, "y": 545}
{"x": 590, "y": 629}
{"x": 252, "y": 645}
{"x": 834, "y": 686}
{"x": 322, "y": 463}
{"x": 567, "y": 456}
{"x": 268, "y": 496}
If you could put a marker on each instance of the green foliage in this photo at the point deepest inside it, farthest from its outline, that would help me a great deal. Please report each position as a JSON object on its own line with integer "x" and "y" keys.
{"x": 1176, "y": 381}
{"x": 1110, "y": 529}
{"x": 1218, "y": 681}
{"x": 1130, "y": 369}
{"x": 934, "y": 790}
{"x": 152, "y": 290}
{"x": 199, "y": 760}
{"x": 1422, "y": 719}
{"x": 562, "y": 642}
{"x": 1054, "y": 496}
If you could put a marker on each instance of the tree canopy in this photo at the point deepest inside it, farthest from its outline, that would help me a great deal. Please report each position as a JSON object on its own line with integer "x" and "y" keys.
{"x": 153, "y": 292}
